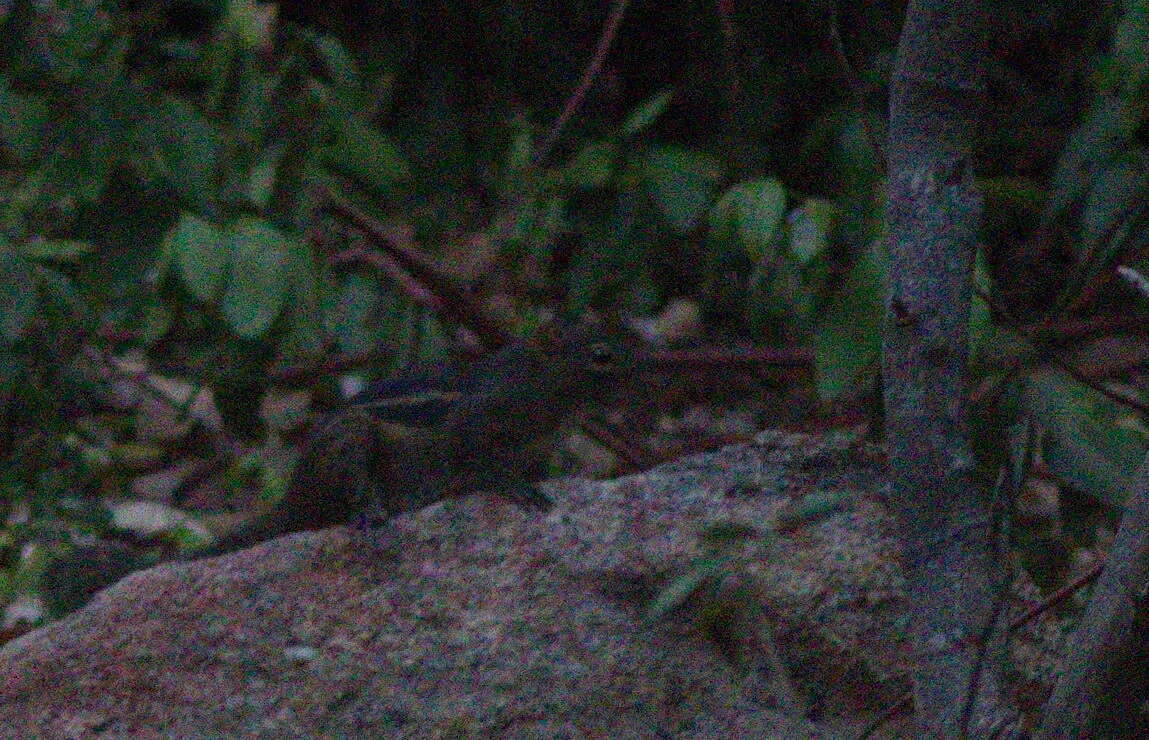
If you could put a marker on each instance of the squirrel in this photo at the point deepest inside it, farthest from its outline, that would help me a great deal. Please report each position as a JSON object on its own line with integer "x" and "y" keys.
{"x": 405, "y": 443}
{"x": 410, "y": 441}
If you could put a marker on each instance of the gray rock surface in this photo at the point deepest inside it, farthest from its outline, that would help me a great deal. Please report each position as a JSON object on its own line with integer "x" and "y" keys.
{"x": 474, "y": 619}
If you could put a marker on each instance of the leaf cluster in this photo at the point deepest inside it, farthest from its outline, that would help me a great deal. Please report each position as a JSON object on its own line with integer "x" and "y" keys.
{"x": 164, "y": 230}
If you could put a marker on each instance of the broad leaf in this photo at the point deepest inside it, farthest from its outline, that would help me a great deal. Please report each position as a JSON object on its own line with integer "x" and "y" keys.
{"x": 754, "y": 212}
{"x": 366, "y": 155}
{"x": 810, "y": 228}
{"x": 848, "y": 339}
{"x": 258, "y": 283}
{"x": 592, "y": 166}
{"x": 350, "y": 315}
{"x": 23, "y": 122}
{"x": 681, "y": 182}
{"x": 185, "y": 148}
{"x": 202, "y": 253}
{"x": 646, "y": 114}
{"x": 61, "y": 250}
{"x": 1086, "y": 442}
{"x": 338, "y": 62}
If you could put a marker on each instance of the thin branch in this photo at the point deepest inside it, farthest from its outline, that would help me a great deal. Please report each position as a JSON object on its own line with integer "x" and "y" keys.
{"x": 903, "y": 702}
{"x": 606, "y": 39}
{"x": 400, "y": 255}
{"x": 1029, "y": 332}
{"x": 632, "y": 456}
{"x": 1056, "y": 597}
{"x": 727, "y": 357}
{"x": 224, "y": 445}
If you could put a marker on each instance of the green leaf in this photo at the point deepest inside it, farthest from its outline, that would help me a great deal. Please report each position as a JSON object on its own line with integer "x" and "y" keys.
{"x": 613, "y": 260}
{"x": 1130, "y": 39}
{"x": 779, "y": 297}
{"x": 252, "y": 103}
{"x": 1098, "y": 138}
{"x": 682, "y": 183}
{"x": 538, "y": 223}
{"x": 809, "y": 509}
{"x": 185, "y": 149}
{"x": 261, "y": 179}
{"x": 155, "y": 321}
{"x": 202, "y": 253}
{"x": 338, "y": 62}
{"x": 251, "y": 22}
{"x": 60, "y": 250}
{"x": 306, "y": 333}
{"x": 58, "y": 291}
{"x": 12, "y": 369}
{"x": 983, "y": 334}
{"x": 646, "y": 113}
{"x": 855, "y": 159}
{"x": 754, "y": 211}
{"x": 258, "y": 283}
{"x": 350, "y": 316}
{"x": 681, "y": 588}
{"x": 592, "y": 166}
{"x": 848, "y": 339}
{"x": 1090, "y": 441}
{"x": 810, "y": 229}
{"x": 1021, "y": 194}
{"x": 519, "y": 153}
{"x": 1118, "y": 190}
{"x": 18, "y": 298}
{"x": 24, "y": 194}
{"x": 220, "y": 54}
{"x": 366, "y": 155}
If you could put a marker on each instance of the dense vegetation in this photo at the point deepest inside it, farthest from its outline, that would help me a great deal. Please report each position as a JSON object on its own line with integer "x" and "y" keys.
{"x": 175, "y": 179}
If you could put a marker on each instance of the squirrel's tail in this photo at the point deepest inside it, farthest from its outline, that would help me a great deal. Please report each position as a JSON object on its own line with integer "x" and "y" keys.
{"x": 70, "y": 581}
{"x": 254, "y": 530}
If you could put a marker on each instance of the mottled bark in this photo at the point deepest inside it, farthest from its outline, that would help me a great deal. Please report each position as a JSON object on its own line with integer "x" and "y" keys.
{"x": 952, "y": 551}
{"x": 1111, "y": 638}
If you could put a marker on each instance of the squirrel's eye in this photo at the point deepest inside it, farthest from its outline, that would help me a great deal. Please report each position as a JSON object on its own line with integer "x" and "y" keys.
{"x": 601, "y": 356}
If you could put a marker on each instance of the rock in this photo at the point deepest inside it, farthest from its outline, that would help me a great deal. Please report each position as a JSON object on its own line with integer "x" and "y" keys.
{"x": 475, "y": 619}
